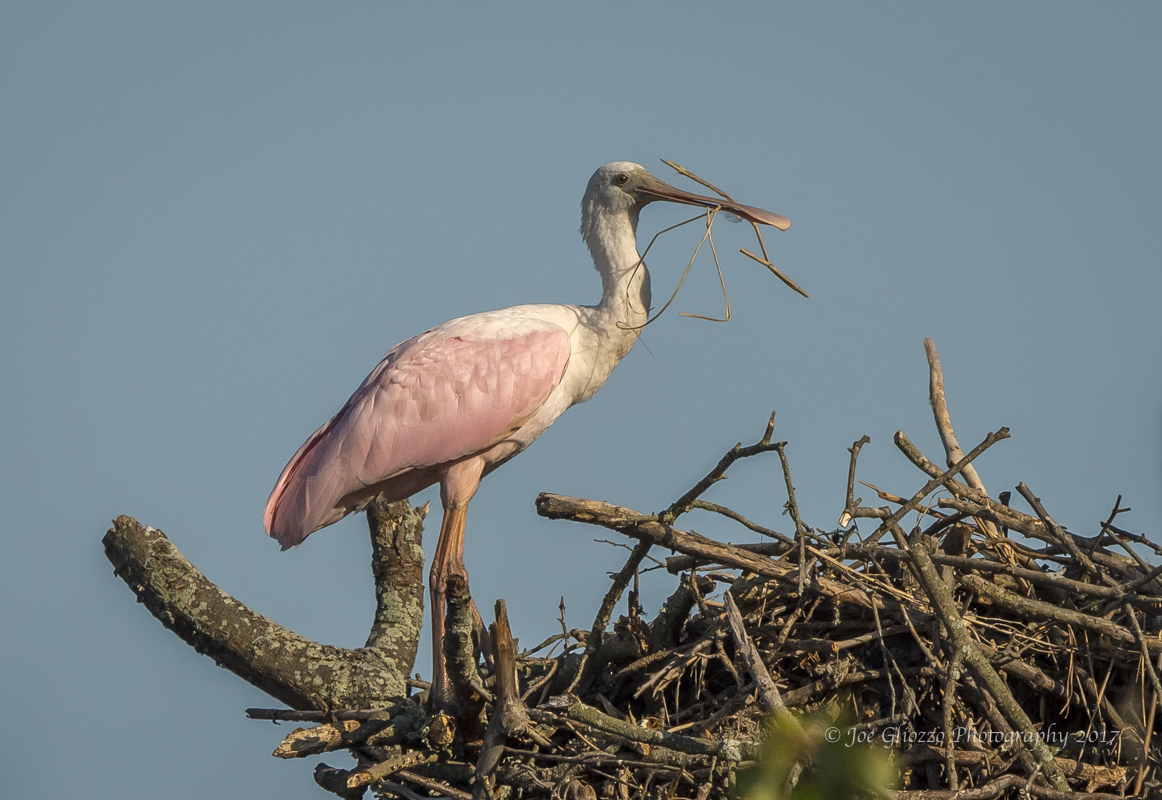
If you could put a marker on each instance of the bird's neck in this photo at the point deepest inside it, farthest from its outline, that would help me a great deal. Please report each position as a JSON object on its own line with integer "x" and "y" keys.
{"x": 625, "y": 281}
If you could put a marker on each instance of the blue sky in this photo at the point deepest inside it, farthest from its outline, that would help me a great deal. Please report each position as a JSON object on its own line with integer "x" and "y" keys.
{"x": 218, "y": 216}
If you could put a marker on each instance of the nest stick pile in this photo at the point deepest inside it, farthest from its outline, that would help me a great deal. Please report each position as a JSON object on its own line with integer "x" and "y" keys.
{"x": 1000, "y": 654}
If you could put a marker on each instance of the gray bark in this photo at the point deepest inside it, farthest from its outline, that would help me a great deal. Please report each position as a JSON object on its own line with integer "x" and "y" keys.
{"x": 291, "y": 668}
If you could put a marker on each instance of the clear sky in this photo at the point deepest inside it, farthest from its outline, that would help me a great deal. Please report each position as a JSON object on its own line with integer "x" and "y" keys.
{"x": 216, "y": 217}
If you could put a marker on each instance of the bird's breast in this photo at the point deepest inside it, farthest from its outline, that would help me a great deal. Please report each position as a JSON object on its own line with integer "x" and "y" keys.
{"x": 597, "y": 345}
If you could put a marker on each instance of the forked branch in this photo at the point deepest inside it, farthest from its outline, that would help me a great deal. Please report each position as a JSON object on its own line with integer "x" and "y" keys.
{"x": 292, "y": 668}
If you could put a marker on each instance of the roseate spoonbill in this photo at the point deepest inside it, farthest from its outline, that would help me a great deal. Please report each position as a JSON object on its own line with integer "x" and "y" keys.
{"x": 459, "y": 400}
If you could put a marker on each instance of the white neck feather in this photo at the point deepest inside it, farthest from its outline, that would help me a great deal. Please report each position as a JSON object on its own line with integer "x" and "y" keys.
{"x": 625, "y": 282}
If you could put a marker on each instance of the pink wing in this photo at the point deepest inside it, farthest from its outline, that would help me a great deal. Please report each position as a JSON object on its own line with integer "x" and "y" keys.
{"x": 456, "y": 390}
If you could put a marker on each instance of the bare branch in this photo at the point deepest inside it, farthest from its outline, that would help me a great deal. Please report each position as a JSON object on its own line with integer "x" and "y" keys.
{"x": 285, "y": 665}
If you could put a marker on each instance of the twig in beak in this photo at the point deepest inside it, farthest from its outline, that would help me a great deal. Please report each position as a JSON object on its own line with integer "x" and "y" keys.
{"x": 766, "y": 263}
{"x": 766, "y": 259}
{"x": 688, "y": 174}
{"x": 711, "y": 213}
{"x": 642, "y": 261}
{"x": 721, "y": 279}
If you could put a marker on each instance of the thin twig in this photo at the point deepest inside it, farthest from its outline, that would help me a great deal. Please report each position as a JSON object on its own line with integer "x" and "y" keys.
{"x": 601, "y": 621}
{"x": 685, "y": 502}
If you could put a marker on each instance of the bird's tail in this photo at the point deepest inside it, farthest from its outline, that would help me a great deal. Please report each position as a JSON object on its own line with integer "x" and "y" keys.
{"x": 289, "y": 516}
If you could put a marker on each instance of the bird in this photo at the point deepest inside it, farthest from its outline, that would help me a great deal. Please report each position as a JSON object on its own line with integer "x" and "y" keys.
{"x": 457, "y": 401}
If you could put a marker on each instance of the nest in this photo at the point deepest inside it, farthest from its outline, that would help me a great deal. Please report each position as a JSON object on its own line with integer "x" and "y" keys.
{"x": 990, "y": 651}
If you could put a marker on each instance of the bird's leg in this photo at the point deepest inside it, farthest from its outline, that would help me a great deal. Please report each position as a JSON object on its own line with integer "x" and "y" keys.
{"x": 448, "y": 560}
{"x": 458, "y": 484}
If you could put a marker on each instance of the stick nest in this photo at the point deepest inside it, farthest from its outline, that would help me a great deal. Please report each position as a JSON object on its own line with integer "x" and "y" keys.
{"x": 1000, "y": 654}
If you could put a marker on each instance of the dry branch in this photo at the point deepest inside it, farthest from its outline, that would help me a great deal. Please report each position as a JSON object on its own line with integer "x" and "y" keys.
{"x": 647, "y": 528}
{"x": 769, "y": 693}
{"x": 509, "y": 716}
{"x": 460, "y": 657}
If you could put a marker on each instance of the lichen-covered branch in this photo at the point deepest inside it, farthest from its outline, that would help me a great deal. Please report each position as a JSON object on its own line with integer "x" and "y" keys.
{"x": 397, "y": 564}
{"x": 292, "y": 668}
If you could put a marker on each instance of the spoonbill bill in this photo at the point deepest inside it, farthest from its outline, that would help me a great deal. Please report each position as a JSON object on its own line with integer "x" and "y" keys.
{"x": 454, "y": 403}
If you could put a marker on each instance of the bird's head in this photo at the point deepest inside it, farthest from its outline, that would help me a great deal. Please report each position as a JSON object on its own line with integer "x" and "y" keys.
{"x": 623, "y": 187}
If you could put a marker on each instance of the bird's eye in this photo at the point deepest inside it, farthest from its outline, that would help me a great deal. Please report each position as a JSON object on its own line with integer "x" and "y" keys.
{"x": 622, "y": 179}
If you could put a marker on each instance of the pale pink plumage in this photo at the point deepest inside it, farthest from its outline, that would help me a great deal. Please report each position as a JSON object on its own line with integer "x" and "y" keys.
{"x": 457, "y": 390}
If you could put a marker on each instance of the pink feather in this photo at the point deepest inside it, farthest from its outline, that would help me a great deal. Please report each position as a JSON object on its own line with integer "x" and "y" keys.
{"x": 450, "y": 393}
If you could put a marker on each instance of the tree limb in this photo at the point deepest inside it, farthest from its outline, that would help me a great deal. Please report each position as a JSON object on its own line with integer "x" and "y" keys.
{"x": 648, "y": 529}
{"x": 292, "y": 668}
